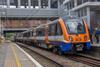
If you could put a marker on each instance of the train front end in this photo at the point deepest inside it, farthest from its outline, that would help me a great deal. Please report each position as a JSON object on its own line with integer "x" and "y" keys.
{"x": 76, "y": 34}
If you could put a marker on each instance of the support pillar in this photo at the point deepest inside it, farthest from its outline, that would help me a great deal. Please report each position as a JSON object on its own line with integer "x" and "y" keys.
{"x": 39, "y": 3}
{"x": 75, "y": 3}
{"x": 49, "y": 3}
{"x": 29, "y": 3}
{"x": 88, "y": 16}
{"x": 19, "y": 4}
{"x": 59, "y": 9}
{"x": 58, "y": 4}
{"x": 8, "y": 3}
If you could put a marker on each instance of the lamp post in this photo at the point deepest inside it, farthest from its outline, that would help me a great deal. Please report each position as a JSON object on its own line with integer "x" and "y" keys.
{"x": 1, "y": 23}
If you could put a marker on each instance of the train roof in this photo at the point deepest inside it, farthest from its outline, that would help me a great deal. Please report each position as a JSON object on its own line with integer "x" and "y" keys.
{"x": 50, "y": 22}
{"x": 69, "y": 17}
{"x": 63, "y": 17}
{"x": 31, "y": 29}
{"x": 40, "y": 26}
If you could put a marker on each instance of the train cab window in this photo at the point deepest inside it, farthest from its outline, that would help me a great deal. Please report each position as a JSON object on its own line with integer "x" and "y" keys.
{"x": 74, "y": 25}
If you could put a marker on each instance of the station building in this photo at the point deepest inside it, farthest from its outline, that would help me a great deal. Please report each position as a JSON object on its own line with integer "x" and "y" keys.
{"x": 19, "y": 15}
{"x": 87, "y": 9}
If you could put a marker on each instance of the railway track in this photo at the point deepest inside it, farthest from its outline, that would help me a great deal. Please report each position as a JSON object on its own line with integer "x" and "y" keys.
{"x": 88, "y": 56}
{"x": 86, "y": 59}
{"x": 64, "y": 61}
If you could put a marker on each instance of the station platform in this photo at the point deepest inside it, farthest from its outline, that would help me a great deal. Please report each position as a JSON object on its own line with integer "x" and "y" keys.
{"x": 97, "y": 45}
{"x": 11, "y": 55}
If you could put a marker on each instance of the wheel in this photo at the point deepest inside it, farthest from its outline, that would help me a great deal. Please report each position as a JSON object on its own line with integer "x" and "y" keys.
{"x": 60, "y": 52}
{"x": 85, "y": 50}
{"x": 54, "y": 50}
{"x": 73, "y": 50}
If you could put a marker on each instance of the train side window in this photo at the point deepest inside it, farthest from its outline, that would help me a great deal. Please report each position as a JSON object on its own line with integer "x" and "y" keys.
{"x": 59, "y": 31}
{"x": 49, "y": 30}
{"x": 52, "y": 29}
{"x": 40, "y": 32}
{"x": 24, "y": 34}
{"x": 43, "y": 32}
{"x": 28, "y": 34}
{"x": 31, "y": 33}
{"x": 55, "y": 29}
{"x": 37, "y": 32}
{"x": 34, "y": 33}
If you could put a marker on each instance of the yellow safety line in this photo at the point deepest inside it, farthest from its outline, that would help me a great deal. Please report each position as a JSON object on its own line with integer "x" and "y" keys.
{"x": 16, "y": 57}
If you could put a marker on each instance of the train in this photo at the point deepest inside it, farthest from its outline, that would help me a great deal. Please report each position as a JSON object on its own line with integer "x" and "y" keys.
{"x": 67, "y": 34}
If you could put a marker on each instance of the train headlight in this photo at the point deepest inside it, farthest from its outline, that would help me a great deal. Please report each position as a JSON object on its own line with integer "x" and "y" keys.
{"x": 70, "y": 38}
{"x": 85, "y": 38}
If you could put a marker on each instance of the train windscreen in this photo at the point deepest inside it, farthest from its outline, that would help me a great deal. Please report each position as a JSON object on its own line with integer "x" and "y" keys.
{"x": 75, "y": 26}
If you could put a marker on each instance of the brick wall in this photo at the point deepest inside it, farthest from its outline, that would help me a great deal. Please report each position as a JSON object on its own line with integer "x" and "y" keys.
{"x": 22, "y": 23}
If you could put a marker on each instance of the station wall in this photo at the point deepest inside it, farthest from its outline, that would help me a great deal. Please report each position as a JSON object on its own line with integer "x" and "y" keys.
{"x": 22, "y": 23}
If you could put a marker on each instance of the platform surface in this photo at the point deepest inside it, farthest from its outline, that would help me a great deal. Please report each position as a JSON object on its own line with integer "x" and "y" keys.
{"x": 95, "y": 44}
{"x": 12, "y": 55}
